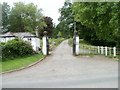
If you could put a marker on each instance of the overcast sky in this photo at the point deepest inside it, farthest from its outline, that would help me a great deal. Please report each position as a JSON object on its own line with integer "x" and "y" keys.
{"x": 50, "y": 7}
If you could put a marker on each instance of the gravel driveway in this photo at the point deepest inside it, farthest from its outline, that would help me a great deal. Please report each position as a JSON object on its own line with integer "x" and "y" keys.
{"x": 63, "y": 70}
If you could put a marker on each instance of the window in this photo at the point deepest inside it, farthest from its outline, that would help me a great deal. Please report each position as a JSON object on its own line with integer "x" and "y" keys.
{"x": 29, "y": 39}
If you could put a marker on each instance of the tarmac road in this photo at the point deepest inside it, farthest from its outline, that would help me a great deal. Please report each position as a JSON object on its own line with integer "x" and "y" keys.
{"x": 63, "y": 70}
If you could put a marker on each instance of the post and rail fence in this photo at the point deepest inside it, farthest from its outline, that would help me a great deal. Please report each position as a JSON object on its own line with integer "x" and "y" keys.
{"x": 103, "y": 50}
{"x": 109, "y": 51}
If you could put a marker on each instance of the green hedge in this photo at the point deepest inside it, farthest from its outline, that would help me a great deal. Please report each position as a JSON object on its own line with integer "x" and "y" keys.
{"x": 16, "y": 48}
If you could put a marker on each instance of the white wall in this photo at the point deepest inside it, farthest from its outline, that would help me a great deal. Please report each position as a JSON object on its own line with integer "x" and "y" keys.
{"x": 25, "y": 39}
{"x": 35, "y": 42}
{"x": 2, "y": 39}
{"x": 9, "y": 38}
{"x": 6, "y": 39}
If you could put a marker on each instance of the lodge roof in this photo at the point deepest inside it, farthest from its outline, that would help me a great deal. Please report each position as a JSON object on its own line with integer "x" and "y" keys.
{"x": 8, "y": 34}
{"x": 24, "y": 34}
{"x": 18, "y": 34}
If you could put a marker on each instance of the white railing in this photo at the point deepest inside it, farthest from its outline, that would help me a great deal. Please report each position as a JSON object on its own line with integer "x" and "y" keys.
{"x": 103, "y": 50}
{"x": 108, "y": 50}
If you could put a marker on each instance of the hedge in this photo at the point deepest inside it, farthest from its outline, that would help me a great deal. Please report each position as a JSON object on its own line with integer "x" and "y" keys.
{"x": 16, "y": 48}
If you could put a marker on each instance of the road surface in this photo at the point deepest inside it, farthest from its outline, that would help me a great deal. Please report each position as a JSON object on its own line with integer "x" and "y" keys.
{"x": 63, "y": 70}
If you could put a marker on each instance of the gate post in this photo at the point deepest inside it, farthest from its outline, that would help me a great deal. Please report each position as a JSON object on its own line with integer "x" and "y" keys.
{"x": 45, "y": 47}
{"x": 75, "y": 44}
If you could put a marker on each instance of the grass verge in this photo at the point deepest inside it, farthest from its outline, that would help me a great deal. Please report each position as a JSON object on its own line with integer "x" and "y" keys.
{"x": 20, "y": 62}
{"x": 87, "y": 54}
{"x": 70, "y": 42}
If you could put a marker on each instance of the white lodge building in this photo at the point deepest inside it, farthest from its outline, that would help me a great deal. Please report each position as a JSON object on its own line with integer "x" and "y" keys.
{"x": 26, "y": 36}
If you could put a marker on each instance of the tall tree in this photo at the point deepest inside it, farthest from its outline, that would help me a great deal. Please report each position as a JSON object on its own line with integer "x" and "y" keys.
{"x": 5, "y": 16}
{"x": 101, "y": 17}
{"x": 66, "y": 20}
{"x": 0, "y": 18}
{"x": 25, "y": 18}
{"x": 49, "y": 26}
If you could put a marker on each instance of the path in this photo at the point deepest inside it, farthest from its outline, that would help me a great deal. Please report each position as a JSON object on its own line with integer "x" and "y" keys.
{"x": 62, "y": 69}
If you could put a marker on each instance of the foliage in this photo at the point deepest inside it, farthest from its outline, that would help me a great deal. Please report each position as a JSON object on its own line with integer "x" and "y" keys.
{"x": 2, "y": 43}
{"x": 66, "y": 20}
{"x": 15, "y": 48}
{"x": 5, "y": 16}
{"x": 49, "y": 27}
{"x": 19, "y": 62}
{"x": 25, "y": 18}
{"x": 70, "y": 42}
{"x": 101, "y": 19}
{"x": 59, "y": 34}
{"x": 118, "y": 38}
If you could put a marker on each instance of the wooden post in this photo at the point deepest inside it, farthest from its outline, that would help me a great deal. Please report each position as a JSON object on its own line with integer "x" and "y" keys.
{"x": 102, "y": 51}
{"x": 99, "y": 49}
{"x": 106, "y": 52}
{"x": 114, "y": 51}
{"x": 109, "y": 51}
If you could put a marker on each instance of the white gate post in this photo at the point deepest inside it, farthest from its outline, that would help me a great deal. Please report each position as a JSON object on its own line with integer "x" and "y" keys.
{"x": 45, "y": 44}
{"x": 106, "y": 51}
{"x": 114, "y": 51}
{"x": 44, "y": 47}
{"x": 75, "y": 43}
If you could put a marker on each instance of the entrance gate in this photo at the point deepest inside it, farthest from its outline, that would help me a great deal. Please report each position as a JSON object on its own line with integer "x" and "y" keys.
{"x": 75, "y": 44}
{"x": 45, "y": 47}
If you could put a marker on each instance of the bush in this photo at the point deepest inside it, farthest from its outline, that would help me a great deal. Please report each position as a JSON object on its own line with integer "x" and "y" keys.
{"x": 2, "y": 43}
{"x": 16, "y": 48}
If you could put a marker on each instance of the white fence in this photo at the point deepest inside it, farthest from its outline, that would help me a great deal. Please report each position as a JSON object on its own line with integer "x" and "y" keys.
{"x": 107, "y": 51}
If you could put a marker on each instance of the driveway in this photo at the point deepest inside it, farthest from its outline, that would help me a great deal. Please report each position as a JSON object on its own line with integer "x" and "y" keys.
{"x": 63, "y": 70}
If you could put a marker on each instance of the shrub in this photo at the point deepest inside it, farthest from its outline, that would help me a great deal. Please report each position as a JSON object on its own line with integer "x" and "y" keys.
{"x": 16, "y": 48}
{"x": 2, "y": 43}
{"x": 59, "y": 34}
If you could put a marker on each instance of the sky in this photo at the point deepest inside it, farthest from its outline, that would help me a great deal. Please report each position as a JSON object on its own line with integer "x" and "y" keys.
{"x": 49, "y": 7}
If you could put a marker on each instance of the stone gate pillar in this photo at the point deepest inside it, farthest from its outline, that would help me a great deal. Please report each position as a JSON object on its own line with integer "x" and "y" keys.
{"x": 45, "y": 47}
{"x": 75, "y": 44}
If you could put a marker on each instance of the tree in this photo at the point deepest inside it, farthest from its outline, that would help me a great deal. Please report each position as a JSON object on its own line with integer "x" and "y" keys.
{"x": 66, "y": 20}
{"x": 5, "y": 16}
{"x": 0, "y": 18}
{"x": 100, "y": 17}
{"x": 25, "y": 18}
{"x": 48, "y": 27}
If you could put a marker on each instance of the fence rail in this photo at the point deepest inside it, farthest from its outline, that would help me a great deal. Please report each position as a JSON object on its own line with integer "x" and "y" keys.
{"x": 107, "y": 51}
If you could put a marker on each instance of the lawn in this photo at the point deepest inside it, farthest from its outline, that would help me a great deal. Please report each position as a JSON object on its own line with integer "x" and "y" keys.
{"x": 19, "y": 62}
{"x": 16, "y": 63}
